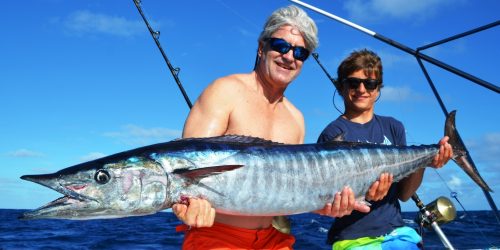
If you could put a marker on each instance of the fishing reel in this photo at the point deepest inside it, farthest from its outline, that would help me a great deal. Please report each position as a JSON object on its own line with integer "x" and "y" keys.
{"x": 440, "y": 211}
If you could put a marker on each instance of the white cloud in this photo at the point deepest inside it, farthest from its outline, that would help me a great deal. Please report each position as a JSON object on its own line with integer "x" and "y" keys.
{"x": 84, "y": 22}
{"x": 391, "y": 59}
{"x": 92, "y": 156}
{"x": 399, "y": 94}
{"x": 374, "y": 10}
{"x": 240, "y": 16}
{"x": 486, "y": 150}
{"x": 135, "y": 135}
{"x": 455, "y": 183}
{"x": 246, "y": 33}
{"x": 25, "y": 153}
{"x": 395, "y": 93}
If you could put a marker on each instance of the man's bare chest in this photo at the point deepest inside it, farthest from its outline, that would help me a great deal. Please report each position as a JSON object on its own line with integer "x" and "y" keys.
{"x": 277, "y": 126}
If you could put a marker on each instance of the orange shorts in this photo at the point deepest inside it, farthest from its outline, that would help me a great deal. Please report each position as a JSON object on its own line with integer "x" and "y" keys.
{"x": 221, "y": 236}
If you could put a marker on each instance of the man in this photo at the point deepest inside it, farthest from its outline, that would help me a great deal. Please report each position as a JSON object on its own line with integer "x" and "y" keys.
{"x": 359, "y": 83}
{"x": 254, "y": 104}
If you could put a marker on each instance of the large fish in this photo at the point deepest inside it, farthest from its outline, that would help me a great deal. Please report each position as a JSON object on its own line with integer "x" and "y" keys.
{"x": 237, "y": 174}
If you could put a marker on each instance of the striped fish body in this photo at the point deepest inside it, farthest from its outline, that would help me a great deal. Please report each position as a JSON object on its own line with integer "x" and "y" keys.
{"x": 278, "y": 179}
{"x": 237, "y": 174}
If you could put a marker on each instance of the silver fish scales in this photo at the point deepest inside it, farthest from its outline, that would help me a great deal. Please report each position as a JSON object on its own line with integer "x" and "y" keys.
{"x": 237, "y": 174}
{"x": 285, "y": 179}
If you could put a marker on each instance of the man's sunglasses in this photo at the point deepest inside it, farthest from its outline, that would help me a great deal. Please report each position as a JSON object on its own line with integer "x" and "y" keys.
{"x": 353, "y": 83}
{"x": 282, "y": 46}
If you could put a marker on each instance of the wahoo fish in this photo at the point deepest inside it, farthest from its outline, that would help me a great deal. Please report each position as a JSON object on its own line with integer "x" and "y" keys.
{"x": 238, "y": 175}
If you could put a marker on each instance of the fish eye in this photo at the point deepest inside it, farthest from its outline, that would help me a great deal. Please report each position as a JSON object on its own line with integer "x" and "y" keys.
{"x": 102, "y": 176}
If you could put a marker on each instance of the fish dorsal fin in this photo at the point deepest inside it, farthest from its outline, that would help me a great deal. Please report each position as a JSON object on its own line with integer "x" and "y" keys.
{"x": 339, "y": 140}
{"x": 233, "y": 139}
{"x": 345, "y": 143}
{"x": 339, "y": 137}
{"x": 194, "y": 175}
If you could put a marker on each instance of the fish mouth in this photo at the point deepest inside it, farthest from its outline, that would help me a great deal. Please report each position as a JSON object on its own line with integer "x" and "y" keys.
{"x": 61, "y": 208}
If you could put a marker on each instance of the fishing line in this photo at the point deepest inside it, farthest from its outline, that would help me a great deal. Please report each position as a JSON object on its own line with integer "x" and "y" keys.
{"x": 334, "y": 105}
{"x": 454, "y": 195}
{"x": 246, "y": 20}
{"x": 459, "y": 139}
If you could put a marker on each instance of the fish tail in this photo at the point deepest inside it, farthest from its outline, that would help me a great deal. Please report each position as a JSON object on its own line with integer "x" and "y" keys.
{"x": 460, "y": 155}
{"x": 450, "y": 130}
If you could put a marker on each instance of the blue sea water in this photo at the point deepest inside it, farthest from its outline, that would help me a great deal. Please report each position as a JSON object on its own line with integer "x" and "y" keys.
{"x": 475, "y": 230}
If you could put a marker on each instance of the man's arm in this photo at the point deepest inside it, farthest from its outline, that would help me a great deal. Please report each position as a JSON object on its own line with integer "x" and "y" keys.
{"x": 409, "y": 185}
{"x": 208, "y": 117}
{"x": 210, "y": 113}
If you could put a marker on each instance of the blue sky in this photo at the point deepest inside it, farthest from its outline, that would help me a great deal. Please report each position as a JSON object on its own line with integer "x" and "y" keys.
{"x": 83, "y": 79}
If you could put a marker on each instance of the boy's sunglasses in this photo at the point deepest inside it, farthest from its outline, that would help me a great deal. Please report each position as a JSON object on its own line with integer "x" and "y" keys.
{"x": 353, "y": 83}
{"x": 282, "y": 46}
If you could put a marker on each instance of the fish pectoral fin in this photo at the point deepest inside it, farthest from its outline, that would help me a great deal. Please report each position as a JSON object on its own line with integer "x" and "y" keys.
{"x": 200, "y": 173}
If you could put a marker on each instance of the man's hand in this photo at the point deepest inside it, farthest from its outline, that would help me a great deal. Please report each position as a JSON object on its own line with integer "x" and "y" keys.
{"x": 199, "y": 213}
{"x": 444, "y": 155}
{"x": 378, "y": 190}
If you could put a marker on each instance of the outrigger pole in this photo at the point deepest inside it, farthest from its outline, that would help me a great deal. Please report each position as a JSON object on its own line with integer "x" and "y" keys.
{"x": 156, "y": 36}
{"x": 407, "y": 49}
{"x": 419, "y": 56}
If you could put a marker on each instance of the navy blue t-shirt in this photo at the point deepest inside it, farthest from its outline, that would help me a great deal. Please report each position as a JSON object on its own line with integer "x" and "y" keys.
{"x": 385, "y": 215}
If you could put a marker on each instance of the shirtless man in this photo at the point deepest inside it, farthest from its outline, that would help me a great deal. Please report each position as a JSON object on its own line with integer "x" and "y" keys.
{"x": 254, "y": 104}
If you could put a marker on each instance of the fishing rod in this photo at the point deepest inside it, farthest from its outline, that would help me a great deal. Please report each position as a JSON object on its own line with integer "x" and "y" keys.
{"x": 334, "y": 82}
{"x": 407, "y": 49}
{"x": 436, "y": 62}
{"x": 316, "y": 57}
{"x": 156, "y": 36}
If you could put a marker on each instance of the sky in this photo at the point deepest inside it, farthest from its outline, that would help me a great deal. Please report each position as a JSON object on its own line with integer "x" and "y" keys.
{"x": 81, "y": 80}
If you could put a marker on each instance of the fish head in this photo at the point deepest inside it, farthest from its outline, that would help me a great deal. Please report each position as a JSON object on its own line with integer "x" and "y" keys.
{"x": 102, "y": 189}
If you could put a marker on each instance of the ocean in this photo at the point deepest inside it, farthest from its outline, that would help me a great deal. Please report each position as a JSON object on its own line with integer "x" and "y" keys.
{"x": 471, "y": 230}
